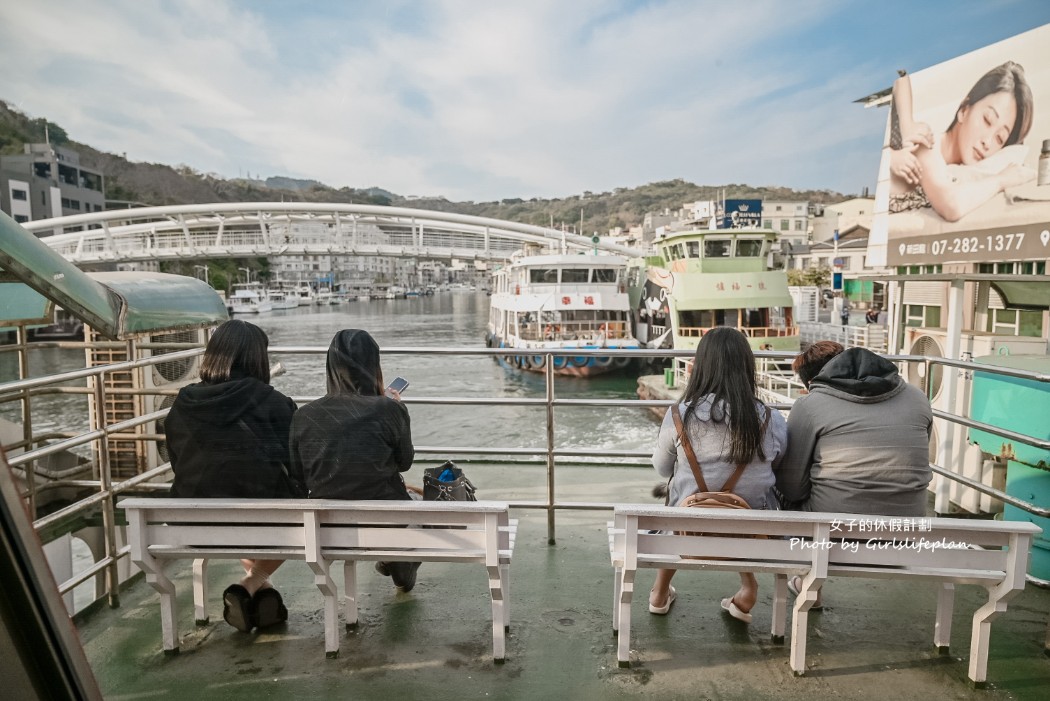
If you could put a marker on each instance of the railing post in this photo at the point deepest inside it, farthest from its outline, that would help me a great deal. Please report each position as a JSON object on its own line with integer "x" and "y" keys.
{"x": 22, "y": 339}
{"x": 548, "y": 373}
{"x": 108, "y": 516}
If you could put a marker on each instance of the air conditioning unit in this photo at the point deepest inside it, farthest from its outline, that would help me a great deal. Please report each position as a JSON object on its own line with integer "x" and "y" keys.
{"x": 166, "y": 376}
{"x": 933, "y": 342}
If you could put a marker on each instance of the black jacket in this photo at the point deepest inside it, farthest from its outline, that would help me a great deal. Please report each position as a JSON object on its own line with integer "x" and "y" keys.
{"x": 354, "y": 442}
{"x": 230, "y": 439}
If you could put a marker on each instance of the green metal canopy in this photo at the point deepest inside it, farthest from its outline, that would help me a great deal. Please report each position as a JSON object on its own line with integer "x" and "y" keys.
{"x": 118, "y": 304}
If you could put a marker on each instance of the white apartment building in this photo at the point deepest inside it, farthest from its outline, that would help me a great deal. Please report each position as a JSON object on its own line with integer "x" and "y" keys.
{"x": 842, "y": 216}
{"x": 789, "y": 219}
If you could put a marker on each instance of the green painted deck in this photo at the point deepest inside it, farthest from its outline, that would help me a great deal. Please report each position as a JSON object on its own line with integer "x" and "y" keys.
{"x": 874, "y": 639}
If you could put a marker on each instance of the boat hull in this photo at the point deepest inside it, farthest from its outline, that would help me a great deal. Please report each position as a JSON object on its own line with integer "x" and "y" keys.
{"x": 533, "y": 359}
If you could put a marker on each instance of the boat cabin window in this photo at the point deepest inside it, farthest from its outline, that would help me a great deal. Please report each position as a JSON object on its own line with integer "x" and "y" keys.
{"x": 604, "y": 275}
{"x": 716, "y": 248}
{"x": 543, "y": 275}
{"x": 748, "y": 248}
{"x": 574, "y": 274}
{"x": 694, "y": 248}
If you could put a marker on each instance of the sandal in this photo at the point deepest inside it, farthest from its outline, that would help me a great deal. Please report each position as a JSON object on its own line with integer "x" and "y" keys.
{"x": 730, "y": 607}
{"x": 269, "y": 608}
{"x": 238, "y": 609}
{"x": 662, "y": 610}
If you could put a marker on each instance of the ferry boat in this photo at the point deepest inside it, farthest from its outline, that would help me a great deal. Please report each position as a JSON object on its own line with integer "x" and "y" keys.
{"x": 700, "y": 279}
{"x": 281, "y": 299}
{"x": 556, "y": 301}
{"x": 304, "y": 294}
{"x": 249, "y": 298}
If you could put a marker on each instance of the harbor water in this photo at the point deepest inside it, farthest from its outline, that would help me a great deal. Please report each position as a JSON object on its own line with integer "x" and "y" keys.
{"x": 447, "y": 320}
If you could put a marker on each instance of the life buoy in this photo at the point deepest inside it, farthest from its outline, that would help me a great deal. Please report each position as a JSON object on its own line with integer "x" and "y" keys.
{"x": 603, "y": 362}
{"x": 621, "y": 363}
{"x": 537, "y": 362}
{"x": 578, "y": 361}
{"x": 560, "y": 362}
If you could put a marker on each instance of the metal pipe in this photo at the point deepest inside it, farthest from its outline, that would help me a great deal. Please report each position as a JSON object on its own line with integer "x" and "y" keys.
{"x": 108, "y": 517}
{"x": 548, "y": 375}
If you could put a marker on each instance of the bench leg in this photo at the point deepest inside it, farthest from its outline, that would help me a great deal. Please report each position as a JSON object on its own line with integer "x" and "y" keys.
{"x": 942, "y": 631}
{"x": 982, "y": 630}
{"x": 499, "y": 638}
{"x": 623, "y": 638}
{"x": 504, "y": 578}
{"x": 779, "y": 608}
{"x": 157, "y": 579}
{"x": 800, "y": 621}
{"x": 331, "y": 608}
{"x": 350, "y": 592}
{"x": 200, "y": 591}
{"x": 616, "y": 599}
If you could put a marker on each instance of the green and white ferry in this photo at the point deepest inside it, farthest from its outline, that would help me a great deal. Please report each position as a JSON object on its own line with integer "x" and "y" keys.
{"x": 703, "y": 278}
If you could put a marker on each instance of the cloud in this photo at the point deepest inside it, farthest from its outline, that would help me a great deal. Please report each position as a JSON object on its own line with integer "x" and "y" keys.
{"x": 466, "y": 100}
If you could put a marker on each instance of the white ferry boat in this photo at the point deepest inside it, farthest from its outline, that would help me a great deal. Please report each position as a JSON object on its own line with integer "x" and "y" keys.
{"x": 557, "y": 301}
{"x": 282, "y": 299}
{"x": 303, "y": 294}
{"x": 249, "y": 298}
{"x": 323, "y": 296}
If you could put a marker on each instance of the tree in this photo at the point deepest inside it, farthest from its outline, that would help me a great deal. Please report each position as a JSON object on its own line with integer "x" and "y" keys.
{"x": 817, "y": 276}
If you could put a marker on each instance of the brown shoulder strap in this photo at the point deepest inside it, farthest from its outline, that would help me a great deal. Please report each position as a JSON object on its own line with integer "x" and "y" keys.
{"x": 688, "y": 448}
{"x": 693, "y": 463}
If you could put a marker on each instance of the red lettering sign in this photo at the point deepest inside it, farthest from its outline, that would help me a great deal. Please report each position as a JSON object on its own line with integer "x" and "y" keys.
{"x": 588, "y": 299}
{"x": 566, "y": 300}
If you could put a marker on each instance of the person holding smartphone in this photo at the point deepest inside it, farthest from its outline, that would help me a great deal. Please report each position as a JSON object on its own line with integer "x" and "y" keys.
{"x": 354, "y": 442}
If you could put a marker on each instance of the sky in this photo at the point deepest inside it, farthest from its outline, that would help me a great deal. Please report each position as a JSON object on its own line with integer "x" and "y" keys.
{"x": 477, "y": 100}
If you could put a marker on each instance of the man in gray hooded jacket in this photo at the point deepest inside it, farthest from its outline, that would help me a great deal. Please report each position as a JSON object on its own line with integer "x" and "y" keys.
{"x": 858, "y": 443}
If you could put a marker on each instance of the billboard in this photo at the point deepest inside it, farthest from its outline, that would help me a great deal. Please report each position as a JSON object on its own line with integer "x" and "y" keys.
{"x": 959, "y": 178}
{"x": 742, "y": 214}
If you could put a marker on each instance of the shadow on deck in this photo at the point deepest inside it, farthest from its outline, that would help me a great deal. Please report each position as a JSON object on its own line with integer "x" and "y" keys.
{"x": 874, "y": 638}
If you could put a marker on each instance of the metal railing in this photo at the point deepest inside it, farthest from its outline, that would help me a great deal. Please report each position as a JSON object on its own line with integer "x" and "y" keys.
{"x": 106, "y": 491}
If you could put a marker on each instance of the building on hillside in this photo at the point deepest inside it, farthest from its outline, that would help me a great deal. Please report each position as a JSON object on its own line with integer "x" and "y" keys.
{"x": 849, "y": 257}
{"x": 789, "y": 219}
{"x": 48, "y": 181}
{"x": 841, "y": 217}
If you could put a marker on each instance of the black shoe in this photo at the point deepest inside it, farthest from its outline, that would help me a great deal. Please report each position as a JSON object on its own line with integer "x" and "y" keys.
{"x": 383, "y": 568}
{"x": 403, "y": 574}
{"x": 238, "y": 609}
{"x": 269, "y": 608}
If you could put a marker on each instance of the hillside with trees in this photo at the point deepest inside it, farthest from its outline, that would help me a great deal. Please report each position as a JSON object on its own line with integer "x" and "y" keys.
{"x": 158, "y": 184}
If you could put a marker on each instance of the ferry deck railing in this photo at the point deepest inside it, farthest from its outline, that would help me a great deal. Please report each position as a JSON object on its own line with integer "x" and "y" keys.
{"x": 106, "y": 490}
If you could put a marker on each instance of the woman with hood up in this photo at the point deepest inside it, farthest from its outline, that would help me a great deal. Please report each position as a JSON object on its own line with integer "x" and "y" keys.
{"x": 354, "y": 442}
{"x": 227, "y": 437}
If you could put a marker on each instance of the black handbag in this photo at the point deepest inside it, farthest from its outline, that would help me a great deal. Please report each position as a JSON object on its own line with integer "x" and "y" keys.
{"x": 447, "y": 483}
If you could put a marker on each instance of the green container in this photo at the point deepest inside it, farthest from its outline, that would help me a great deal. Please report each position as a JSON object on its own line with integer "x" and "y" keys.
{"x": 669, "y": 377}
{"x": 1022, "y": 406}
{"x": 1033, "y": 485}
{"x": 1014, "y": 404}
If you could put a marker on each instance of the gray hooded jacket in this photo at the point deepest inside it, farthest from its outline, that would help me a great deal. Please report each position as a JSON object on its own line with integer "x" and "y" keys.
{"x": 858, "y": 443}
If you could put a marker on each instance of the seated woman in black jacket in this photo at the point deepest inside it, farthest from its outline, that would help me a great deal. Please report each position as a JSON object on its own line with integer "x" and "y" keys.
{"x": 227, "y": 436}
{"x": 354, "y": 442}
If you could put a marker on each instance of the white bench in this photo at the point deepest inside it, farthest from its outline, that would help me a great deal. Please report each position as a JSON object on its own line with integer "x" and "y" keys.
{"x": 994, "y": 554}
{"x": 320, "y": 532}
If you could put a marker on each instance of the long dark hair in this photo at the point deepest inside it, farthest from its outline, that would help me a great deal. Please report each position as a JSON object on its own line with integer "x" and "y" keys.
{"x": 724, "y": 366}
{"x": 1008, "y": 78}
{"x": 236, "y": 348}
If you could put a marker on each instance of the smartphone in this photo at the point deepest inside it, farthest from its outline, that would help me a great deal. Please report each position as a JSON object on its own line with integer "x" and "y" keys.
{"x": 398, "y": 384}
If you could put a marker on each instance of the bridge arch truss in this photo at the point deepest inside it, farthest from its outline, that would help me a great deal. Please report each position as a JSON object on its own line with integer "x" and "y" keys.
{"x": 240, "y": 230}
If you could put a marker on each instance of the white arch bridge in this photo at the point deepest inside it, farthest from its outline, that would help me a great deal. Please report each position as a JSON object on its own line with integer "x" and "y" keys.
{"x": 248, "y": 229}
